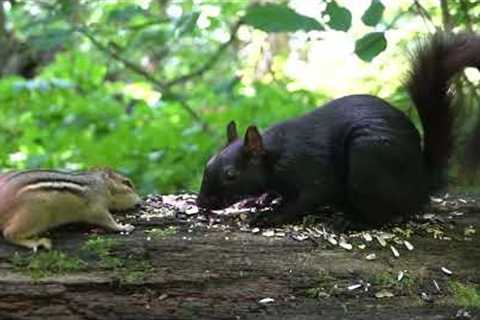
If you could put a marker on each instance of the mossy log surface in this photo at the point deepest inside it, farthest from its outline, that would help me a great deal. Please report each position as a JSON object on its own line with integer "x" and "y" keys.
{"x": 214, "y": 273}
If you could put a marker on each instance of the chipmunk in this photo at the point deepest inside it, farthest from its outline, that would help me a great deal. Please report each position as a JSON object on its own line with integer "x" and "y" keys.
{"x": 35, "y": 201}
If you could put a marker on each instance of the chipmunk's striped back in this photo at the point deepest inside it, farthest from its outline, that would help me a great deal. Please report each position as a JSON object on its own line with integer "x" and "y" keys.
{"x": 45, "y": 180}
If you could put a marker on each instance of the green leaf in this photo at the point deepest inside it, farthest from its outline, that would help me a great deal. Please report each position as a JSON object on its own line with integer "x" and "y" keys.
{"x": 186, "y": 23}
{"x": 279, "y": 18}
{"x": 125, "y": 14}
{"x": 51, "y": 38}
{"x": 340, "y": 17}
{"x": 372, "y": 16}
{"x": 370, "y": 45}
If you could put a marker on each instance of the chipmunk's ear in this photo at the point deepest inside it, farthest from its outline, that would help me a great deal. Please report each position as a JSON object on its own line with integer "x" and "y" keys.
{"x": 253, "y": 143}
{"x": 232, "y": 133}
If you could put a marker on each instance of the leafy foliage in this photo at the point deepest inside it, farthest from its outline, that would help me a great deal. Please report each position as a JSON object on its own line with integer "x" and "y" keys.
{"x": 370, "y": 45}
{"x": 147, "y": 87}
{"x": 374, "y": 13}
{"x": 340, "y": 17}
{"x": 279, "y": 18}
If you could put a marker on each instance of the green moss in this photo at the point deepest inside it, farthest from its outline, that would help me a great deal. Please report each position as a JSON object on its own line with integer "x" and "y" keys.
{"x": 100, "y": 245}
{"x": 127, "y": 268}
{"x": 159, "y": 234}
{"x": 324, "y": 286}
{"x": 46, "y": 263}
{"x": 389, "y": 280}
{"x": 466, "y": 295}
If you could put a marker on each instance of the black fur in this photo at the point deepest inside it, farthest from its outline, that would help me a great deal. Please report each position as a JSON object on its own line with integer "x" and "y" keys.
{"x": 357, "y": 152}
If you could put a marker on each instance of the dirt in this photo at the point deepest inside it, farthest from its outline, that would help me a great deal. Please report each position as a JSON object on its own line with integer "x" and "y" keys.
{"x": 201, "y": 270}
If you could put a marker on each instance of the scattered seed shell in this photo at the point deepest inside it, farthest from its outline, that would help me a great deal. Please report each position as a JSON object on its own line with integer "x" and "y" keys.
{"x": 408, "y": 245}
{"x": 436, "y": 285}
{"x": 428, "y": 216}
{"x": 163, "y": 296}
{"x": 436, "y": 200}
{"x": 367, "y": 236}
{"x": 332, "y": 240}
{"x": 266, "y": 300}
{"x": 191, "y": 210}
{"x": 354, "y": 287}
{"x": 400, "y": 276}
{"x": 383, "y": 294}
{"x": 268, "y": 233}
{"x": 426, "y": 297}
{"x": 345, "y": 245}
{"x": 395, "y": 252}
{"x": 446, "y": 271}
{"x": 371, "y": 256}
{"x": 362, "y": 246}
{"x": 299, "y": 237}
{"x": 255, "y": 230}
{"x": 382, "y": 241}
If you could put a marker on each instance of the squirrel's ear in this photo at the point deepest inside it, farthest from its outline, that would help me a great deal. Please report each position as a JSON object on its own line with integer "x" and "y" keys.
{"x": 253, "y": 143}
{"x": 232, "y": 134}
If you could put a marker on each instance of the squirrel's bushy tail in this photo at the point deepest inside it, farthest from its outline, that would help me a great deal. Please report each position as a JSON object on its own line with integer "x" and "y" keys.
{"x": 434, "y": 64}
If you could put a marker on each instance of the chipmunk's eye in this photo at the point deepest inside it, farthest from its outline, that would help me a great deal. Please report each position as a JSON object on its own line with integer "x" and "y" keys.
{"x": 128, "y": 183}
{"x": 231, "y": 174}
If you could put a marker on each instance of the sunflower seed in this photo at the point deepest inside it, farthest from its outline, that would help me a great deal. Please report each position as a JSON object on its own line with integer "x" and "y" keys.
{"x": 255, "y": 230}
{"x": 354, "y": 287}
{"x": 268, "y": 233}
{"x": 345, "y": 245}
{"x": 446, "y": 271}
{"x": 299, "y": 237}
{"x": 382, "y": 241}
{"x": 395, "y": 252}
{"x": 332, "y": 240}
{"x": 383, "y": 294}
{"x": 367, "y": 237}
{"x": 371, "y": 256}
{"x": 191, "y": 210}
{"x": 408, "y": 245}
{"x": 400, "y": 276}
{"x": 266, "y": 300}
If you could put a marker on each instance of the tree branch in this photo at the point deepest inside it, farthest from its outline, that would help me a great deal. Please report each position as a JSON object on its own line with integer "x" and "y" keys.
{"x": 139, "y": 70}
{"x": 127, "y": 63}
{"x": 468, "y": 20}
{"x": 423, "y": 12}
{"x": 3, "y": 30}
{"x": 210, "y": 62}
{"x": 446, "y": 18}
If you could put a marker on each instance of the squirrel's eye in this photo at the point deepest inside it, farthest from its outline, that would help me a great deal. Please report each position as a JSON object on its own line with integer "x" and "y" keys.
{"x": 231, "y": 174}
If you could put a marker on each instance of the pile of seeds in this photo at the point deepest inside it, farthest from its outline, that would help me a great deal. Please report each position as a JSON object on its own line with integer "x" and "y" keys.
{"x": 182, "y": 208}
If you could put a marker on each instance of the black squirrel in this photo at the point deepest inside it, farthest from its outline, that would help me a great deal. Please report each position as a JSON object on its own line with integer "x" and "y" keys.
{"x": 358, "y": 152}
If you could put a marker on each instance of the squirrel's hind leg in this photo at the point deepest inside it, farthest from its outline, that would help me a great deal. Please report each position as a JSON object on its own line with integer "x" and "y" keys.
{"x": 385, "y": 182}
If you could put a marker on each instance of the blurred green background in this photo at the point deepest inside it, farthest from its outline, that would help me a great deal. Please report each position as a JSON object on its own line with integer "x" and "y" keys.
{"x": 148, "y": 86}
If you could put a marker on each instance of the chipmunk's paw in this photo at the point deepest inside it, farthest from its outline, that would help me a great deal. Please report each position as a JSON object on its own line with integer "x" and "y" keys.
{"x": 127, "y": 228}
{"x": 42, "y": 242}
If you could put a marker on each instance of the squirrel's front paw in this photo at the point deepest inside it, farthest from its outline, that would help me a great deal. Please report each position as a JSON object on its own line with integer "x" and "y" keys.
{"x": 261, "y": 220}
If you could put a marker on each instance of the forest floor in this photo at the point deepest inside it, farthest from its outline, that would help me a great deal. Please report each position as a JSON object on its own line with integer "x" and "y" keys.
{"x": 177, "y": 265}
